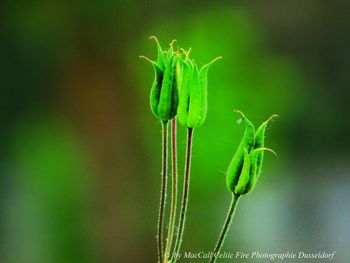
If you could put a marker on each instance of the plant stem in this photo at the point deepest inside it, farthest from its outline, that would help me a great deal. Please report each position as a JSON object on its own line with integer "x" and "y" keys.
{"x": 160, "y": 238}
{"x": 174, "y": 191}
{"x": 225, "y": 228}
{"x": 184, "y": 203}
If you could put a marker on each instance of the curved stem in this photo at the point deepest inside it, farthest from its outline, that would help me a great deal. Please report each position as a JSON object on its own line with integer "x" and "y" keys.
{"x": 160, "y": 238}
{"x": 174, "y": 191}
{"x": 225, "y": 228}
{"x": 184, "y": 203}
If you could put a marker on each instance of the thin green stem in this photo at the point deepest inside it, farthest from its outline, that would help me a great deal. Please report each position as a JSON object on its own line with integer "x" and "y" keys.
{"x": 185, "y": 193}
{"x": 174, "y": 191}
{"x": 225, "y": 228}
{"x": 160, "y": 238}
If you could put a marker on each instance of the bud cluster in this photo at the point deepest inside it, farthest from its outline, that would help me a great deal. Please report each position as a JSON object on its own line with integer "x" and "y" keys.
{"x": 179, "y": 87}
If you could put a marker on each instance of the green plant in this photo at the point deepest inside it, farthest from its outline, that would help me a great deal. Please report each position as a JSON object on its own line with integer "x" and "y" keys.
{"x": 164, "y": 102}
{"x": 244, "y": 170}
{"x": 179, "y": 92}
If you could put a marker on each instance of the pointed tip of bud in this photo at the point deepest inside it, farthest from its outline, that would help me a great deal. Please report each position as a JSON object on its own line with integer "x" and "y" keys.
{"x": 272, "y": 117}
{"x": 243, "y": 117}
{"x": 215, "y": 59}
{"x": 206, "y": 66}
{"x": 240, "y": 113}
{"x": 154, "y": 38}
{"x": 148, "y": 59}
{"x": 266, "y": 149}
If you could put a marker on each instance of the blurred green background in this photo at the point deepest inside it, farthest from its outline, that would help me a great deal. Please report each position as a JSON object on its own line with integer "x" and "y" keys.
{"x": 80, "y": 149}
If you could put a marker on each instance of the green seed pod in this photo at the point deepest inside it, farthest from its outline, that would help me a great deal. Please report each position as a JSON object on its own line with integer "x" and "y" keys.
{"x": 245, "y": 174}
{"x": 236, "y": 164}
{"x": 164, "y": 93}
{"x": 245, "y": 167}
{"x": 192, "y": 109}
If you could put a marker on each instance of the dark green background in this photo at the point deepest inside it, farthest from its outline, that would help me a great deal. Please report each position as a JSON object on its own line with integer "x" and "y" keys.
{"x": 80, "y": 149}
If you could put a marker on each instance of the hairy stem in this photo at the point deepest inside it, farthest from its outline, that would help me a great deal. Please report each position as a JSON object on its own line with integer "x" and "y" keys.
{"x": 174, "y": 191}
{"x": 225, "y": 228}
{"x": 160, "y": 238}
{"x": 185, "y": 193}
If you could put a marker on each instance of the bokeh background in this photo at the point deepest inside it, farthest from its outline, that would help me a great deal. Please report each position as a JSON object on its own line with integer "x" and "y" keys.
{"x": 80, "y": 149}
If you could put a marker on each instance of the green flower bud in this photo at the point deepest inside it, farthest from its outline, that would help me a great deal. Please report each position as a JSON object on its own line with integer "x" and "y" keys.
{"x": 245, "y": 166}
{"x": 236, "y": 164}
{"x": 192, "y": 109}
{"x": 164, "y": 93}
